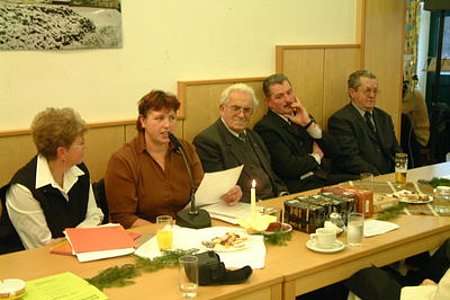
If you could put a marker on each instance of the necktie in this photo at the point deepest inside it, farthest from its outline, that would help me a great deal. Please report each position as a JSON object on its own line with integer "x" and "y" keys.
{"x": 242, "y": 137}
{"x": 368, "y": 117}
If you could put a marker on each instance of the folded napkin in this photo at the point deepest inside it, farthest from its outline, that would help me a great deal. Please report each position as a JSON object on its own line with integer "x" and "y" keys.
{"x": 377, "y": 227}
{"x": 253, "y": 254}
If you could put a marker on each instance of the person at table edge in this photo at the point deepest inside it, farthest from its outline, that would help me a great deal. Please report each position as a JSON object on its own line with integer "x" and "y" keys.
{"x": 53, "y": 190}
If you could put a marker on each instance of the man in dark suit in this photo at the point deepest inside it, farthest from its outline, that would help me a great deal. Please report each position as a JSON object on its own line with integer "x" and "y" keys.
{"x": 229, "y": 143}
{"x": 365, "y": 133}
{"x": 296, "y": 143}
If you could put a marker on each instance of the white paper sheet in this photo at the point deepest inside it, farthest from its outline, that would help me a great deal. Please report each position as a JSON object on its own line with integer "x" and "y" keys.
{"x": 216, "y": 184}
{"x": 253, "y": 255}
{"x": 377, "y": 227}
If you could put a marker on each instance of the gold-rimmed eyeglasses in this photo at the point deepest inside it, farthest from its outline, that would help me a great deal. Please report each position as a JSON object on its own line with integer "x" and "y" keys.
{"x": 237, "y": 109}
{"x": 368, "y": 91}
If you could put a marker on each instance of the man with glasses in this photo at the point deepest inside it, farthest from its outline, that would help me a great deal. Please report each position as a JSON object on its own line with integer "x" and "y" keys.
{"x": 365, "y": 133}
{"x": 229, "y": 143}
{"x": 296, "y": 143}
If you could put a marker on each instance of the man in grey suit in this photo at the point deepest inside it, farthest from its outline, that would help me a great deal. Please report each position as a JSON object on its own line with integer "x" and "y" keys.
{"x": 229, "y": 143}
{"x": 365, "y": 133}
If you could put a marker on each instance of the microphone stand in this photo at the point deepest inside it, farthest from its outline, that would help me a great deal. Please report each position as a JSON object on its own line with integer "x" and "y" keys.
{"x": 192, "y": 217}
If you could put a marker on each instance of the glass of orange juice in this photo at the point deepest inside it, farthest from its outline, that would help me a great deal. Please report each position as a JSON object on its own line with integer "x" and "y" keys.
{"x": 164, "y": 235}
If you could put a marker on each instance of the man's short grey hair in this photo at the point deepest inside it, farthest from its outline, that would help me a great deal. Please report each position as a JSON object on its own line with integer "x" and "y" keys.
{"x": 354, "y": 80}
{"x": 273, "y": 79}
{"x": 241, "y": 87}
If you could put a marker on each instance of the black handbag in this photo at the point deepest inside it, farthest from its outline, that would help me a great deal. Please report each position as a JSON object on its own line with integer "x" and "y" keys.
{"x": 212, "y": 271}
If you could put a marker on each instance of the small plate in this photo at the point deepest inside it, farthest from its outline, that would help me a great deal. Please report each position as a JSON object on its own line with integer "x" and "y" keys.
{"x": 278, "y": 227}
{"x": 409, "y": 197}
{"x": 219, "y": 232}
{"x": 11, "y": 289}
{"x": 312, "y": 245}
{"x": 412, "y": 201}
{"x": 223, "y": 249}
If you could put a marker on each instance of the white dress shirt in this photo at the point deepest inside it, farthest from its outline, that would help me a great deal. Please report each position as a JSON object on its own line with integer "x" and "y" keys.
{"x": 27, "y": 215}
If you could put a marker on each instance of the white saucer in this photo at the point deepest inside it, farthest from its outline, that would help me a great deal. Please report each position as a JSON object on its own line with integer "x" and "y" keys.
{"x": 312, "y": 244}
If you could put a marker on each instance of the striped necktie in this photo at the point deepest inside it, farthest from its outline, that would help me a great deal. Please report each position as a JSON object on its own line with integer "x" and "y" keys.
{"x": 242, "y": 137}
{"x": 368, "y": 117}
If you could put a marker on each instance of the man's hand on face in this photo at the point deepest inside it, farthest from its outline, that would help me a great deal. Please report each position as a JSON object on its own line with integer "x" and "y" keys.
{"x": 300, "y": 115}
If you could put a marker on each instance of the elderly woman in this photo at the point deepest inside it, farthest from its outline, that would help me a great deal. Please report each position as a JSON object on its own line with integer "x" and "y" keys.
{"x": 147, "y": 176}
{"x": 53, "y": 191}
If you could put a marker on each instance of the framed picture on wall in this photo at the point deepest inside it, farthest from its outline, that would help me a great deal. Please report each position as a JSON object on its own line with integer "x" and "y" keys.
{"x": 60, "y": 25}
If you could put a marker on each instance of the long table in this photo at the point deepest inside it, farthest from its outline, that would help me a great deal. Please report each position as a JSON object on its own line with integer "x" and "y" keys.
{"x": 290, "y": 270}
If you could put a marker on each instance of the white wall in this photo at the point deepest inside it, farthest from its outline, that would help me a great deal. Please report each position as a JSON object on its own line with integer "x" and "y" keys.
{"x": 163, "y": 42}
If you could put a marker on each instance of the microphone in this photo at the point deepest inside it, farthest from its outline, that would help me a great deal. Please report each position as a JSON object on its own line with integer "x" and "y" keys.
{"x": 193, "y": 217}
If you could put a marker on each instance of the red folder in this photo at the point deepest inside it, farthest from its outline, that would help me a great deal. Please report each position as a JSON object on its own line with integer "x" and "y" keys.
{"x": 64, "y": 248}
{"x": 99, "y": 238}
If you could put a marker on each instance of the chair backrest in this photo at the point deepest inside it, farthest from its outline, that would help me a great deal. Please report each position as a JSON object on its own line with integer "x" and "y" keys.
{"x": 9, "y": 239}
{"x": 100, "y": 197}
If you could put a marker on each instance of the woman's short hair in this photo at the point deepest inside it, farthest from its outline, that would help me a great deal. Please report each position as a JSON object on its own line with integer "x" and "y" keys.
{"x": 241, "y": 87}
{"x": 354, "y": 80}
{"x": 156, "y": 100}
{"x": 56, "y": 127}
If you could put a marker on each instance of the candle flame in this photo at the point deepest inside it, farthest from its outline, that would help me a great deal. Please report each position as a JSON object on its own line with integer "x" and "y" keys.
{"x": 253, "y": 183}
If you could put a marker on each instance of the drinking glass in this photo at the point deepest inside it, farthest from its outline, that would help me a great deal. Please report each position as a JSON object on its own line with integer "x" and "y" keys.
{"x": 355, "y": 229}
{"x": 164, "y": 235}
{"x": 366, "y": 180}
{"x": 188, "y": 275}
{"x": 401, "y": 166}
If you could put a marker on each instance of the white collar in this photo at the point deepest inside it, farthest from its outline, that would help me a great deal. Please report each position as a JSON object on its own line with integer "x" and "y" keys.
{"x": 44, "y": 175}
{"x": 361, "y": 112}
{"x": 281, "y": 116}
{"x": 231, "y": 131}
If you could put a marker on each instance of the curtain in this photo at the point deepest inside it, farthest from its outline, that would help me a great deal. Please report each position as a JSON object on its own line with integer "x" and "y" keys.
{"x": 411, "y": 38}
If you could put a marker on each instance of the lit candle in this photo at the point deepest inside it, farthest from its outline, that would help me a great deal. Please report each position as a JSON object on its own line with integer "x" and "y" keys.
{"x": 253, "y": 199}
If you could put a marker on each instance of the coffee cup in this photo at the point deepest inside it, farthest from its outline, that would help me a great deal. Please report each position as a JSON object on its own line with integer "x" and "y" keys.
{"x": 325, "y": 237}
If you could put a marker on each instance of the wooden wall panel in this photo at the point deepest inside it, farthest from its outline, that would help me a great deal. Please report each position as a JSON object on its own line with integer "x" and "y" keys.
{"x": 339, "y": 64}
{"x": 201, "y": 99}
{"x": 383, "y": 52}
{"x": 304, "y": 67}
{"x": 101, "y": 142}
{"x": 16, "y": 150}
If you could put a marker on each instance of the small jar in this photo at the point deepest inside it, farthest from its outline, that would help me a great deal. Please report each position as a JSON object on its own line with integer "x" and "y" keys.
{"x": 441, "y": 200}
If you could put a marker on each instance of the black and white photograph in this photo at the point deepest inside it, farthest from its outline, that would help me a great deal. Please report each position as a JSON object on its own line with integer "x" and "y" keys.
{"x": 60, "y": 25}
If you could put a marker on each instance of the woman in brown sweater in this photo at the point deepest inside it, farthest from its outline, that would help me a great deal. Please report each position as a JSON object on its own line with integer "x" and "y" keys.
{"x": 147, "y": 176}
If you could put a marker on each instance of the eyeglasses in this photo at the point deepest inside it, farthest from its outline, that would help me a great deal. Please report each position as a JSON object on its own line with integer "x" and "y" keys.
{"x": 237, "y": 109}
{"x": 368, "y": 91}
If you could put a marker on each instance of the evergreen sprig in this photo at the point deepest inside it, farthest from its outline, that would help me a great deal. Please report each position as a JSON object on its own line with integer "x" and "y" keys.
{"x": 116, "y": 276}
{"x": 119, "y": 276}
{"x": 391, "y": 212}
{"x": 278, "y": 238}
{"x": 436, "y": 181}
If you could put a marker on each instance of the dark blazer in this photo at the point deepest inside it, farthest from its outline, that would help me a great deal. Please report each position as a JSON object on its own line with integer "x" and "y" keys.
{"x": 290, "y": 151}
{"x": 215, "y": 148}
{"x": 362, "y": 149}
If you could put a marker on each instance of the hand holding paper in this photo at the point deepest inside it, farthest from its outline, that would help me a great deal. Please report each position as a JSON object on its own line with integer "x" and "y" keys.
{"x": 216, "y": 184}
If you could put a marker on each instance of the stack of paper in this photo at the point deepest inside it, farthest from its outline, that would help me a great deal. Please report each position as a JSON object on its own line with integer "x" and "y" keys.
{"x": 99, "y": 242}
{"x": 377, "y": 227}
{"x": 62, "y": 286}
{"x": 227, "y": 213}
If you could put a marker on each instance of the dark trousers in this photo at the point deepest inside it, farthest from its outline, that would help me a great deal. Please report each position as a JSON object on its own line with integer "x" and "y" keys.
{"x": 385, "y": 284}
